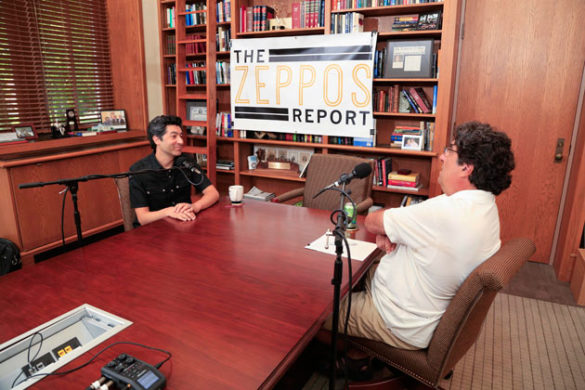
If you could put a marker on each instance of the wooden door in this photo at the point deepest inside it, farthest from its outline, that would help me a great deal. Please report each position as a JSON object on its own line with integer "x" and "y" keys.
{"x": 520, "y": 70}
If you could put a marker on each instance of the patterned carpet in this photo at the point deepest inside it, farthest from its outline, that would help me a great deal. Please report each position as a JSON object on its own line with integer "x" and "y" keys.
{"x": 524, "y": 344}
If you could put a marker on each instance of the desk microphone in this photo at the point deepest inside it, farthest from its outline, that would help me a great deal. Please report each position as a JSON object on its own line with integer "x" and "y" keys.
{"x": 190, "y": 165}
{"x": 360, "y": 171}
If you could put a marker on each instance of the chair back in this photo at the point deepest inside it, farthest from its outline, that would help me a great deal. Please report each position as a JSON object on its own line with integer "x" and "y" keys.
{"x": 128, "y": 214}
{"x": 325, "y": 169}
{"x": 461, "y": 323}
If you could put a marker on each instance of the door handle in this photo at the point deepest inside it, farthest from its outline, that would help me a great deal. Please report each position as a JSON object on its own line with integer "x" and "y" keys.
{"x": 559, "y": 150}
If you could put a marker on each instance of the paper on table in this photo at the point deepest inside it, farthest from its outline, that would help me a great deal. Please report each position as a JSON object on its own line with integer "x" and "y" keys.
{"x": 359, "y": 249}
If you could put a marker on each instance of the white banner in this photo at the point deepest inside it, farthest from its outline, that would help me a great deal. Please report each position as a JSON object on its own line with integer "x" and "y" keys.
{"x": 320, "y": 84}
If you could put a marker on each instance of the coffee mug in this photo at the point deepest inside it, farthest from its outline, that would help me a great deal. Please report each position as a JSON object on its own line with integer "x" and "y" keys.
{"x": 236, "y": 194}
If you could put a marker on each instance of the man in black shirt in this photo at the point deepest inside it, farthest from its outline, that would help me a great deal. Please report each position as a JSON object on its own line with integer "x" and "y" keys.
{"x": 168, "y": 194}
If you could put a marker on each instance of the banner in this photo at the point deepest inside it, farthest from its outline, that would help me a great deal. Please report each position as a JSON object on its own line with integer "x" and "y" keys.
{"x": 320, "y": 84}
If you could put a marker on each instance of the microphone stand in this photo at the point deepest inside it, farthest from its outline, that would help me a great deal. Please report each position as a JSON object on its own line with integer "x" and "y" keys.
{"x": 339, "y": 234}
{"x": 73, "y": 187}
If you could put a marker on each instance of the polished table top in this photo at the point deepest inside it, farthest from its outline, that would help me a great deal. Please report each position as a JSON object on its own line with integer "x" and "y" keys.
{"x": 233, "y": 296}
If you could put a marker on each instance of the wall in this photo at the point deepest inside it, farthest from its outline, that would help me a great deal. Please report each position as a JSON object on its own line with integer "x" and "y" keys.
{"x": 127, "y": 58}
{"x": 152, "y": 58}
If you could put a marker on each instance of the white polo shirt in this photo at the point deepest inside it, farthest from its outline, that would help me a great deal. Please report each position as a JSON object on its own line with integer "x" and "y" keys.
{"x": 439, "y": 242}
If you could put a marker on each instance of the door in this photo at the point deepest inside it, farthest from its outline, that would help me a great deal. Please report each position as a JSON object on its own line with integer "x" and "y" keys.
{"x": 520, "y": 70}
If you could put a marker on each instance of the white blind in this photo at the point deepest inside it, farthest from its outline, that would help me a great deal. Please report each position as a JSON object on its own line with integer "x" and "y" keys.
{"x": 54, "y": 55}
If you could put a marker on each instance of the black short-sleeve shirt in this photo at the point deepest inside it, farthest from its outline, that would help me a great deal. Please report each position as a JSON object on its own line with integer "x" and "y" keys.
{"x": 158, "y": 190}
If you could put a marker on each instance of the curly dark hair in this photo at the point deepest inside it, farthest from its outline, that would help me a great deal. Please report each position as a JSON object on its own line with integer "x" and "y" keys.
{"x": 489, "y": 152}
{"x": 158, "y": 127}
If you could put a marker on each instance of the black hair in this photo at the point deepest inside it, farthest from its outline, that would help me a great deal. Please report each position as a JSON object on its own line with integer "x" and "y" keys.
{"x": 158, "y": 127}
{"x": 489, "y": 151}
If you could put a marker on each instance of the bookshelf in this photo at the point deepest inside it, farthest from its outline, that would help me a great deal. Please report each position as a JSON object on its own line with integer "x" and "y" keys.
{"x": 237, "y": 148}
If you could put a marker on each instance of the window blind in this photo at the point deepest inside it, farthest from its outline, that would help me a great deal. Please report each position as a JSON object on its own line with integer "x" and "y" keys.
{"x": 54, "y": 55}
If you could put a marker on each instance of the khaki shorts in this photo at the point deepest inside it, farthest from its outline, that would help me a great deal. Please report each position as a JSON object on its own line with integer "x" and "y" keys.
{"x": 364, "y": 319}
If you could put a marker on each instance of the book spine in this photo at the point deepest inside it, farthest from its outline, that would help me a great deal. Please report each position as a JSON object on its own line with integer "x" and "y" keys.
{"x": 402, "y": 183}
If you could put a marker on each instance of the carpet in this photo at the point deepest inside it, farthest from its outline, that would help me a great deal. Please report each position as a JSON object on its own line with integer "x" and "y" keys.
{"x": 525, "y": 343}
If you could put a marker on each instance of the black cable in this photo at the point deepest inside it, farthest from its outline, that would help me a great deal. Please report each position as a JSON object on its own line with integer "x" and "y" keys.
{"x": 63, "y": 214}
{"x": 181, "y": 169}
{"x": 169, "y": 355}
{"x": 28, "y": 359}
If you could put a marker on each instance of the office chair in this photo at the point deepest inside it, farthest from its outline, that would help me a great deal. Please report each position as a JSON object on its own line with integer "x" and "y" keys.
{"x": 325, "y": 169}
{"x": 459, "y": 327}
{"x": 128, "y": 214}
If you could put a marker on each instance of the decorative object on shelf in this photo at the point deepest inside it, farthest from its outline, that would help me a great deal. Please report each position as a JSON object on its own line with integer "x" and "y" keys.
{"x": 114, "y": 119}
{"x": 57, "y": 130}
{"x": 71, "y": 120}
{"x": 25, "y": 131}
{"x": 252, "y": 162}
{"x": 409, "y": 59}
{"x": 10, "y": 137}
{"x": 412, "y": 142}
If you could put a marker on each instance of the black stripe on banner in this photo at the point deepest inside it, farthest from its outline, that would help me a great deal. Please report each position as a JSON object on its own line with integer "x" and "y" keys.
{"x": 264, "y": 117}
{"x": 341, "y": 57}
{"x": 271, "y": 110}
{"x": 317, "y": 50}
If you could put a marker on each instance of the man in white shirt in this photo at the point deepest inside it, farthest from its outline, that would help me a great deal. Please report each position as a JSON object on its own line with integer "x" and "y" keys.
{"x": 434, "y": 245}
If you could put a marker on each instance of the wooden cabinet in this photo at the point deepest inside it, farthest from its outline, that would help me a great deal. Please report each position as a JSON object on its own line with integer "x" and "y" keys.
{"x": 32, "y": 217}
{"x": 375, "y": 18}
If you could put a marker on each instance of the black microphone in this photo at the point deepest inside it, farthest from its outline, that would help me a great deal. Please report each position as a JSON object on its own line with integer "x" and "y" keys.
{"x": 190, "y": 165}
{"x": 360, "y": 171}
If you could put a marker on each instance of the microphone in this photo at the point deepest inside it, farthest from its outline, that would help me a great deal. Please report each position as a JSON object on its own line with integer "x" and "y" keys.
{"x": 190, "y": 165}
{"x": 360, "y": 171}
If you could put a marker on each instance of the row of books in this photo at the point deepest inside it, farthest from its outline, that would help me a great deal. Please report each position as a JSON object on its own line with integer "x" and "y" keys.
{"x": 416, "y": 22}
{"x": 255, "y": 18}
{"x": 337, "y": 5}
{"x": 223, "y": 11}
{"x": 308, "y": 14}
{"x": 222, "y": 72}
{"x": 196, "y": 77}
{"x": 172, "y": 74}
{"x": 404, "y": 181}
{"x": 224, "y": 125}
{"x": 404, "y": 99}
{"x": 198, "y": 18}
{"x": 170, "y": 17}
{"x": 382, "y": 167}
{"x": 426, "y": 132}
{"x": 346, "y": 23}
{"x": 195, "y": 47}
{"x": 226, "y": 165}
{"x": 170, "y": 47}
{"x": 223, "y": 39}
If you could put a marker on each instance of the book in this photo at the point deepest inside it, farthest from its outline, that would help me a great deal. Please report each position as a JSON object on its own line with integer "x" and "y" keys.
{"x": 411, "y": 177}
{"x": 402, "y": 183}
{"x": 429, "y": 21}
{"x": 416, "y": 189}
{"x": 420, "y": 102}
{"x": 409, "y": 58}
{"x": 257, "y": 194}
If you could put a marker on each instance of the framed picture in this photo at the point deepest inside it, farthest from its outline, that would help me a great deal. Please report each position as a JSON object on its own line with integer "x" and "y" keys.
{"x": 116, "y": 119}
{"x": 412, "y": 142}
{"x": 26, "y": 131}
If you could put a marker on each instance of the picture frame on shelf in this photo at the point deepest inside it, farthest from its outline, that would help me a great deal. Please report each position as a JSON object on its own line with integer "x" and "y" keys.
{"x": 412, "y": 142}
{"x": 25, "y": 131}
{"x": 115, "y": 119}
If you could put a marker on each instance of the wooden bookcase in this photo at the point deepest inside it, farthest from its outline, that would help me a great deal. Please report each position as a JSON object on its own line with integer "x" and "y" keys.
{"x": 376, "y": 18}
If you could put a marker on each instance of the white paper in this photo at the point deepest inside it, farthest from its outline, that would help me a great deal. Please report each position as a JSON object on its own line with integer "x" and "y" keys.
{"x": 412, "y": 63}
{"x": 359, "y": 249}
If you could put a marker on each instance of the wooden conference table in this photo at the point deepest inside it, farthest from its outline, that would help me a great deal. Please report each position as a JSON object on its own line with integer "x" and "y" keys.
{"x": 234, "y": 296}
